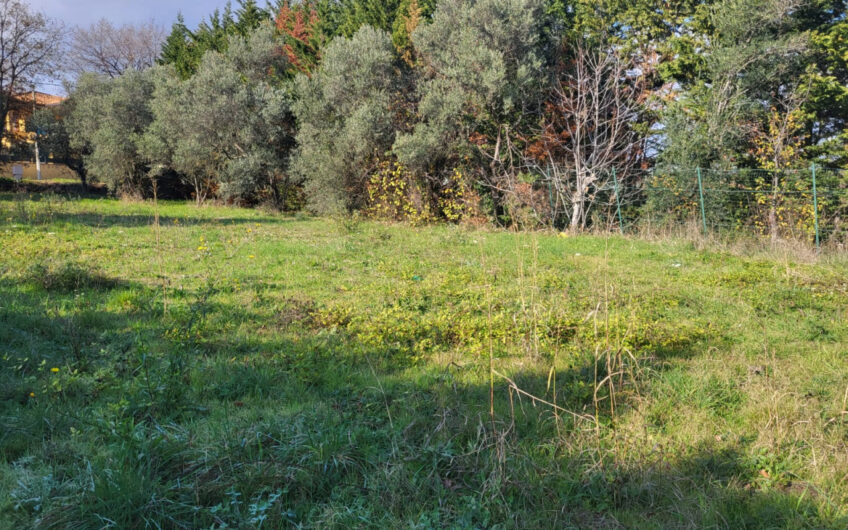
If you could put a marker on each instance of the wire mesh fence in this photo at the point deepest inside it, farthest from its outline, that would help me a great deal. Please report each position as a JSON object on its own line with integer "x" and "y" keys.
{"x": 799, "y": 204}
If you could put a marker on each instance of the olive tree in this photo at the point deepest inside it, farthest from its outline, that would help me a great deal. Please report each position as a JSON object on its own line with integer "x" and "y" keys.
{"x": 344, "y": 113}
{"x": 107, "y": 122}
{"x": 481, "y": 77}
{"x": 228, "y": 127}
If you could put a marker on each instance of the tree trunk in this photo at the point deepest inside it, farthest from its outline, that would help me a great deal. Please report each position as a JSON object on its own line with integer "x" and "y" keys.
{"x": 198, "y": 191}
{"x": 583, "y": 179}
{"x": 79, "y": 169}
{"x": 276, "y": 196}
{"x": 577, "y": 201}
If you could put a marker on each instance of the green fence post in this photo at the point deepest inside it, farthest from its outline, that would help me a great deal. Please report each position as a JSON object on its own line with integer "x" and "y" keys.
{"x": 617, "y": 201}
{"x": 550, "y": 196}
{"x": 815, "y": 206}
{"x": 701, "y": 194}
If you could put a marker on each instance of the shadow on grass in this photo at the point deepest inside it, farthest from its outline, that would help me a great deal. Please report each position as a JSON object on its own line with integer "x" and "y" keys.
{"x": 706, "y": 487}
{"x": 348, "y": 435}
{"x": 52, "y": 213}
{"x": 55, "y": 315}
{"x": 433, "y": 430}
{"x": 69, "y": 189}
{"x": 67, "y": 276}
{"x": 136, "y": 220}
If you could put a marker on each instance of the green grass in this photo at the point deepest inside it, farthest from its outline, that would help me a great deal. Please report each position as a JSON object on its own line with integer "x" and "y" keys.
{"x": 267, "y": 371}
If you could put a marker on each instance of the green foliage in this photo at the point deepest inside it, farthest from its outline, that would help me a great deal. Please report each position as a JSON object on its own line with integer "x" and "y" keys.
{"x": 827, "y": 106}
{"x": 481, "y": 71}
{"x": 345, "y": 119}
{"x": 462, "y": 88}
{"x": 345, "y": 17}
{"x": 229, "y": 125}
{"x": 753, "y": 53}
{"x": 184, "y": 48}
{"x": 249, "y": 17}
{"x": 50, "y": 126}
{"x": 51, "y": 131}
{"x": 379, "y": 14}
{"x": 107, "y": 122}
{"x": 410, "y": 14}
{"x": 178, "y": 50}
{"x": 301, "y": 33}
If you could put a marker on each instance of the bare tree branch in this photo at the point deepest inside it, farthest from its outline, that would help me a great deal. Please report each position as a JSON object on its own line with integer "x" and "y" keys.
{"x": 111, "y": 50}
{"x": 591, "y": 129}
{"x": 29, "y": 46}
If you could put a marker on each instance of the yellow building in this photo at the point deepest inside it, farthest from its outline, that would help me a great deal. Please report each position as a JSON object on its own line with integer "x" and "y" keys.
{"x": 20, "y": 109}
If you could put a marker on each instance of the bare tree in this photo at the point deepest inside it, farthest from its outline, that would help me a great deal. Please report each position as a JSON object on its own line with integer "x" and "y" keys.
{"x": 591, "y": 128}
{"x": 111, "y": 50}
{"x": 29, "y": 45}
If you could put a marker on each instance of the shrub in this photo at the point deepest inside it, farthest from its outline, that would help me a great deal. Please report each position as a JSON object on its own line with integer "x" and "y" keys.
{"x": 393, "y": 193}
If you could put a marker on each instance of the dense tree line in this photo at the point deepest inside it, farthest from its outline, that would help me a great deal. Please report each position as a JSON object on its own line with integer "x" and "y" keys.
{"x": 511, "y": 110}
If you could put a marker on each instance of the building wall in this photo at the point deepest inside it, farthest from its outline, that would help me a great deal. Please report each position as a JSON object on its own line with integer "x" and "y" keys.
{"x": 20, "y": 110}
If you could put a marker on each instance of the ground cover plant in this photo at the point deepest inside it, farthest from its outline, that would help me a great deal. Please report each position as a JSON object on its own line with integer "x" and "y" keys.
{"x": 179, "y": 367}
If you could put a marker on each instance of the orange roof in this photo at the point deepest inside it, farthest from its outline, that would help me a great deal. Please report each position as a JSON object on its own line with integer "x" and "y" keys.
{"x": 47, "y": 99}
{"x": 41, "y": 99}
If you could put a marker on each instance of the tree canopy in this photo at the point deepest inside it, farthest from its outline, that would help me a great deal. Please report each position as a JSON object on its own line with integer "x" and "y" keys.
{"x": 489, "y": 96}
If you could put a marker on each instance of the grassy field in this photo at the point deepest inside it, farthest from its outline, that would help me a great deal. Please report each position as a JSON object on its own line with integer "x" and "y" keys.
{"x": 235, "y": 369}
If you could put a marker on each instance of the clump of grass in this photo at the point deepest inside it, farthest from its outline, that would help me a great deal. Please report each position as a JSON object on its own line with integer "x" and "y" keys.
{"x": 34, "y": 209}
{"x": 297, "y": 311}
{"x": 348, "y": 223}
{"x": 65, "y": 276}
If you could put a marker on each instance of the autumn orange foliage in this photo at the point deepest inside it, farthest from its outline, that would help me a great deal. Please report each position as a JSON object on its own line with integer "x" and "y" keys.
{"x": 299, "y": 26}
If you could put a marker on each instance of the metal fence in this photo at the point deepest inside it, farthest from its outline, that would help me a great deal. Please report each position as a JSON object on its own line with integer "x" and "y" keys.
{"x": 802, "y": 204}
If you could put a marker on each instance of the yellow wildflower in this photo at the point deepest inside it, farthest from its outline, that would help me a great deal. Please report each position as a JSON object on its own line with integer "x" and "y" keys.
{"x": 54, "y": 370}
{"x": 32, "y": 394}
